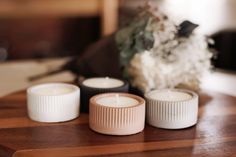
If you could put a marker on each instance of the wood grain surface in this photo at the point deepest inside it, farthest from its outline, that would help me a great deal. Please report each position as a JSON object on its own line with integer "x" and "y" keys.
{"x": 213, "y": 136}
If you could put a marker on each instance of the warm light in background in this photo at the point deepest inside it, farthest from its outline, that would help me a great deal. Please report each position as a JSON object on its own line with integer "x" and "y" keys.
{"x": 211, "y": 15}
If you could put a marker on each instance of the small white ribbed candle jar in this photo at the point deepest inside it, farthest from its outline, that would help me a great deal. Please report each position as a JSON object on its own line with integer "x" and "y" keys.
{"x": 172, "y": 108}
{"x": 117, "y": 113}
{"x": 53, "y": 102}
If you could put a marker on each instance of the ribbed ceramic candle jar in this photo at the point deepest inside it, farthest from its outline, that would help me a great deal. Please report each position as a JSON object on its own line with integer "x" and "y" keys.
{"x": 53, "y": 102}
{"x": 117, "y": 113}
{"x": 98, "y": 85}
{"x": 172, "y": 108}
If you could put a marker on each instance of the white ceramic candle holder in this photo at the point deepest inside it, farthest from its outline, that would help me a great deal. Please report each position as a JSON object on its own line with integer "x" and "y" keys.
{"x": 124, "y": 117}
{"x": 53, "y": 102}
{"x": 172, "y": 108}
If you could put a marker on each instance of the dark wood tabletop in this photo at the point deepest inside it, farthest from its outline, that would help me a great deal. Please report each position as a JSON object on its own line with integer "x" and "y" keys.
{"x": 214, "y": 135}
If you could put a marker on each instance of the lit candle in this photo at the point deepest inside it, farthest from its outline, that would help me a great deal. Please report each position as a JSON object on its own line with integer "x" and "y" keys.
{"x": 53, "y": 102}
{"x": 172, "y": 108}
{"x": 93, "y": 86}
{"x": 117, "y": 113}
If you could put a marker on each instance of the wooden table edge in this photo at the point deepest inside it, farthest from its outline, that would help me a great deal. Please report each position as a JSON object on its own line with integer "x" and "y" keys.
{"x": 118, "y": 148}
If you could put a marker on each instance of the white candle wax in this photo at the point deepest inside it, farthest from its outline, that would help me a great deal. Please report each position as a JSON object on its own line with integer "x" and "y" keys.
{"x": 117, "y": 101}
{"x": 105, "y": 82}
{"x": 169, "y": 95}
{"x": 56, "y": 89}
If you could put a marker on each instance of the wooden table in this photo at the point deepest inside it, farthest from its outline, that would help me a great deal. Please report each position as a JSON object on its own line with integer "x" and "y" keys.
{"x": 214, "y": 135}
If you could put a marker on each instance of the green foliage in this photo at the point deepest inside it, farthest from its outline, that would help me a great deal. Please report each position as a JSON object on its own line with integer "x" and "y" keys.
{"x": 134, "y": 38}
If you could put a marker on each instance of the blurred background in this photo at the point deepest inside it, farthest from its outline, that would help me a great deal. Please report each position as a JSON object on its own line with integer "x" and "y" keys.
{"x": 55, "y": 28}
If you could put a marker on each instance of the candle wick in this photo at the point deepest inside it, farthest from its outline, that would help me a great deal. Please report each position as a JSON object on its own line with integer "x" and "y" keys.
{"x": 117, "y": 99}
{"x": 169, "y": 94}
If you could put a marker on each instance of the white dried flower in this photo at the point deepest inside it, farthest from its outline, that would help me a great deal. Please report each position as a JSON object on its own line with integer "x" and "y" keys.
{"x": 171, "y": 62}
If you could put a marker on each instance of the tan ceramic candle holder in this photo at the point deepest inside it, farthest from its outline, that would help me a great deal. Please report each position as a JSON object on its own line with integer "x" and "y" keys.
{"x": 117, "y": 120}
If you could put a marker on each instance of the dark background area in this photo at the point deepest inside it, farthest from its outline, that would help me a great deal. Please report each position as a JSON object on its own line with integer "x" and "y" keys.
{"x": 53, "y": 37}
{"x": 225, "y": 44}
